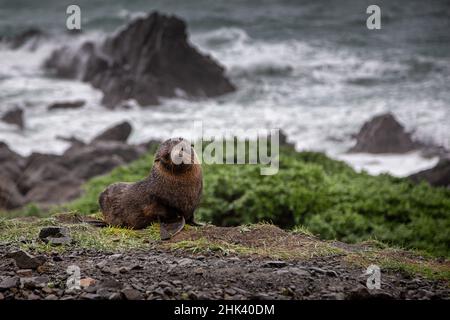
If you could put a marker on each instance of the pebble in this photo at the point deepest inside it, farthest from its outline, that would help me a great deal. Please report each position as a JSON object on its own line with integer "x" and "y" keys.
{"x": 24, "y": 260}
{"x": 123, "y": 269}
{"x": 87, "y": 282}
{"x": 184, "y": 262}
{"x": 132, "y": 294}
{"x": 90, "y": 296}
{"x": 9, "y": 282}
{"x": 101, "y": 264}
{"x": 55, "y": 235}
{"x": 34, "y": 282}
{"x": 24, "y": 273}
{"x": 274, "y": 264}
{"x": 115, "y": 296}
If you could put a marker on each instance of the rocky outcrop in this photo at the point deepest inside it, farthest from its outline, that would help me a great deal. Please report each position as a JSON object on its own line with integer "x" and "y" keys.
{"x": 384, "y": 134}
{"x": 149, "y": 58}
{"x": 15, "y": 117}
{"x": 29, "y": 36}
{"x": 119, "y": 132}
{"x": 438, "y": 176}
{"x": 47, "y": 179}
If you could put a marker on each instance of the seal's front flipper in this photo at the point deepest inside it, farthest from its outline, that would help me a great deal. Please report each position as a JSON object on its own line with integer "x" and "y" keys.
{"x": 168, "y": 229}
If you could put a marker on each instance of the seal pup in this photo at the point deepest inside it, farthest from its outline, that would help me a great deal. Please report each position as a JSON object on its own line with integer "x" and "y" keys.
{"x": 169, "y": 194}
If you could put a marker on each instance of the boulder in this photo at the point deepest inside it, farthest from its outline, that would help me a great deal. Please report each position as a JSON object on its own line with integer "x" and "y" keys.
{"x": 15, "y": 117}
{"x": 35, "y": 175}
{"x": 438, "y": 176}
{"x": 11, "y": 170}
{"x": 55, "y": 191}
{"x": 10, "y": 196}
{"x": 150, "y": 145}
{"x": 74, "y": 148}
{"x": 119, "y": 132}
{"x": 90, "y": 153}
{"x": 149, "y": 58}
{"x": 384, "y": 134}
{"x": 37, "y": 160}
{"x": 97, "y": 166}
{"x": 11, "y": 165}
{"x": 66, "y": 105}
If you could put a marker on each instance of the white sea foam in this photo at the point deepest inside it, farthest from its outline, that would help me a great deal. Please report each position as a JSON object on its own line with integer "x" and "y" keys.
{"x": 304, "y": 89}
{"x": 397, "y": 165}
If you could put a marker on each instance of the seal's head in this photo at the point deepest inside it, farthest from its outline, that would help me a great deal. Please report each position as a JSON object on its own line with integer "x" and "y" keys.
{"x": 176, "y": 155}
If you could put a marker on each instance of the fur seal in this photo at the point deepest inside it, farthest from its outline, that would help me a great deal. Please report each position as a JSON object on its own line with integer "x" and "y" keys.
{"x": 170, "y": 193}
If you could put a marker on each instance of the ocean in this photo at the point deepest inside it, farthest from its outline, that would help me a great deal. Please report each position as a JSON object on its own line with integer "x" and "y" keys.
{"x": 311, "y": 68}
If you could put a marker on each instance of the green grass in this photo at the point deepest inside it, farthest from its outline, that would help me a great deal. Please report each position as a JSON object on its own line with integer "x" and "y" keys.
{"x": 397, "y": 260}
{"x": 311, "y": 190}
{"x": 24, "y": 233}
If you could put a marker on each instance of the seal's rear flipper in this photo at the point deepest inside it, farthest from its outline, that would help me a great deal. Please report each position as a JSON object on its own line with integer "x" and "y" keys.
{"x": 92, "y": 221}
{"x": 168, "y": 229}
{"x": 196, "y": 224}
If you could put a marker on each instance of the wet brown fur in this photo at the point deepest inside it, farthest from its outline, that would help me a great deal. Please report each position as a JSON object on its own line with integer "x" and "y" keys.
{"x": 168, "y": 192}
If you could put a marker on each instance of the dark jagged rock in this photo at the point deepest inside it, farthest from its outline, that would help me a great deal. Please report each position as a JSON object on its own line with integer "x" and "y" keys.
{"x": 66, "y": 105}
{"x": 148, "y": 59}
{"x": 31, "y": 35}
{"x": 24, "y": 260}
{"x": 438, "y": 176}
{"x": 119, "y": 132}
{"x": 383, "y": 134}
{"x": 15, "y": 117}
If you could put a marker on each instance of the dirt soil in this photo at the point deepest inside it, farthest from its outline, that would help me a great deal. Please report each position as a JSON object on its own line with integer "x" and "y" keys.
{"x": 215, "y": 263}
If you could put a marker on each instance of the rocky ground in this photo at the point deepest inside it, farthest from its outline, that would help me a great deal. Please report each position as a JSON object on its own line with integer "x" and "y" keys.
{"x": 251, "y": 262}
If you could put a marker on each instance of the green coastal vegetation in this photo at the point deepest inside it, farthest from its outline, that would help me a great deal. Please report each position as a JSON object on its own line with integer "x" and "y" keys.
{"x": 313, "y": 192}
